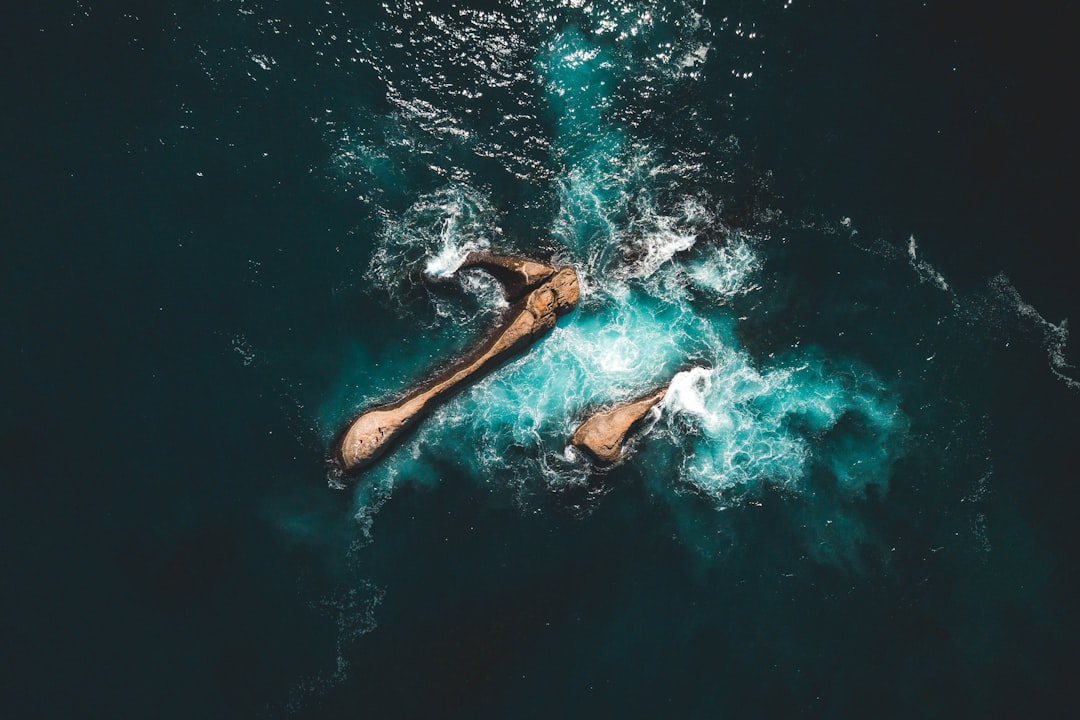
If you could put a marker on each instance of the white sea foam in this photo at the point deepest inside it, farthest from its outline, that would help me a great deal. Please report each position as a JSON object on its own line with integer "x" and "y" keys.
{"x": 728, "y": 269}
{"x": 741, "y": 428}
{"x": 687, "y": 394}
{"x": 662, "y": 247}
{"x": 927, "y": 272}
{"x": 1054, "y": 338}
{"x": 453, "y": 251}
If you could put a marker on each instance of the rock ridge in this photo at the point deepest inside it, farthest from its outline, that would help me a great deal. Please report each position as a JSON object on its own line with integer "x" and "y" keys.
{"x": 539, "y": 294}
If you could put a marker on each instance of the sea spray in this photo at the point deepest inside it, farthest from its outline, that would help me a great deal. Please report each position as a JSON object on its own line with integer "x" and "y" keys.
{"x": 740, "y": 428}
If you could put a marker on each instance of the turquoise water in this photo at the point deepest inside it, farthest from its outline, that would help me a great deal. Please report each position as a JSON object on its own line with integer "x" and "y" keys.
{"x": 837, "y": 232}
{"x": 669, "y": 314}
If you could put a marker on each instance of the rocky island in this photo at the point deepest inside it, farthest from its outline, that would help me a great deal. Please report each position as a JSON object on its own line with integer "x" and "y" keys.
{"x": 602, "y": 435}
{"x": 538, "y": 293}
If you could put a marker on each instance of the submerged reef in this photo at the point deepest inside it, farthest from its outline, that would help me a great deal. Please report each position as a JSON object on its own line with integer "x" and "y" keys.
{"x": 538, "y": 293}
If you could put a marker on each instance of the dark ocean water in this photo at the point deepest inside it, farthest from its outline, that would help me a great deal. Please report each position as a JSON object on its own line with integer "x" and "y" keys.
{"x": 848, "y": 225}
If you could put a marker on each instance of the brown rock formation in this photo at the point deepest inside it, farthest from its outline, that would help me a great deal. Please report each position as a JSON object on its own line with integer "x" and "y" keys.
{"x": 602, "y": 435}
{"x": 539, "y": 294}
{"x": 517, "y": 275}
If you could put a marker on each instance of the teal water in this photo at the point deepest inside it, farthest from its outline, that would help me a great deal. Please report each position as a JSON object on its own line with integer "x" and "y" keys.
{"x": 841, "y": 231}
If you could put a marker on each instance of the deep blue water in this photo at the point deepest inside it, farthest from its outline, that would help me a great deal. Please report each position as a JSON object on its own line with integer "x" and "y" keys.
{"x": 848, "y": 226}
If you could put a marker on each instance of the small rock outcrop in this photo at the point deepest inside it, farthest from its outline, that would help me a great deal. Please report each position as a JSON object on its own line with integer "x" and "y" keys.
{"x": 602, "y": 434}
{"x": 538, "y": 293}
{"x": 516, "y": 275}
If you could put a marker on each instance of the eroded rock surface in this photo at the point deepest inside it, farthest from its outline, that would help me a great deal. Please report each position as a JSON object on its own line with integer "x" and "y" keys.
{"x": 539, "y": 294}
{"x": 602, "y": 435}
{"x": 517, "y": 275}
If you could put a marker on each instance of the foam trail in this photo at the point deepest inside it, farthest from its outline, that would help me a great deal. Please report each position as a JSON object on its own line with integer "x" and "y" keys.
{"x": 926, "y": 271}
{"x": 1055, "y": 338}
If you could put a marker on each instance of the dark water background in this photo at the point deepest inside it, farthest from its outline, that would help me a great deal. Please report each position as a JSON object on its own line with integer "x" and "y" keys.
{"x": 185, "y": 272}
